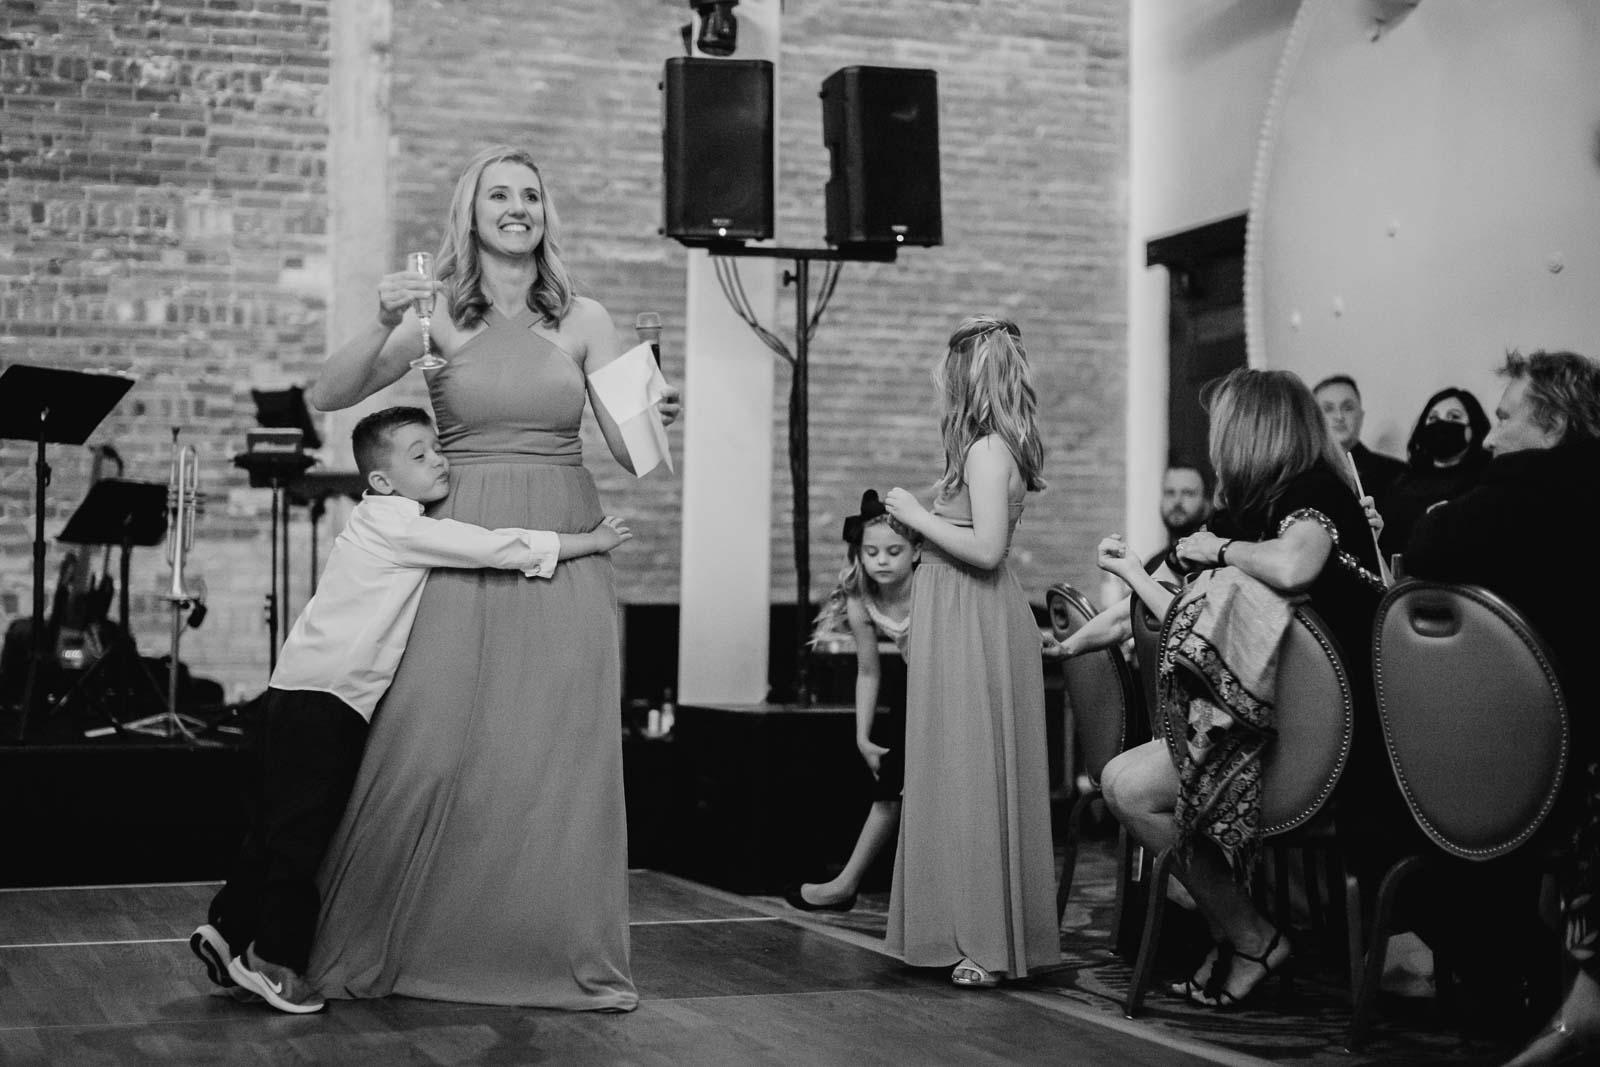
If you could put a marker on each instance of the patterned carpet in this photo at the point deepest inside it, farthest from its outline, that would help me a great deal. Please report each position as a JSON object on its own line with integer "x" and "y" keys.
{"x": 1301, "y": 1023}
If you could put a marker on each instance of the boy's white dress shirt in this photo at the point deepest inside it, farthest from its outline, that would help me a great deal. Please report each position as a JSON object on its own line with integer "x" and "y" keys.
{"x": 348, "y": 639}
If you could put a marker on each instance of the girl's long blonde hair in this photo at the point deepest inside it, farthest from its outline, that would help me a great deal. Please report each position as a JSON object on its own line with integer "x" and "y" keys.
{"x": 1266, "y": 429}
{"x": 459, "y": 268}
{"x": 985, "y": 388}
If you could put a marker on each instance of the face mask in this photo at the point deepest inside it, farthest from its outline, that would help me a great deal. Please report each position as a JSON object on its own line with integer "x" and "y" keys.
{"x": 1441, "y": 440}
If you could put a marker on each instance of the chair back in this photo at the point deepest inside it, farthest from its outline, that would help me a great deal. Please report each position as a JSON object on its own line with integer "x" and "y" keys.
{"x": 1100, "y": 685}
{"x": 1147, "y": 629}
{"x": 1314, "y": 718}
{"x": 1474, "y": 718}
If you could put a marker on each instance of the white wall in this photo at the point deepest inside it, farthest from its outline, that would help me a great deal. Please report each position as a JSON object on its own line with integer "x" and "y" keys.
{"x": 1429, "y": 198}
{"x": 1200, "y": 76}
{"x": 1426, "y": 192}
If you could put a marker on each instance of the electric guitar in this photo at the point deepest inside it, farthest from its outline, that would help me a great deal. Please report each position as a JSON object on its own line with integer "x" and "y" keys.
{"x": 79, "y": 614}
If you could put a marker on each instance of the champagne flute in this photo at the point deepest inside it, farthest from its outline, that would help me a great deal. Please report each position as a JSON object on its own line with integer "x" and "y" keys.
{"x": 422, "y": 263}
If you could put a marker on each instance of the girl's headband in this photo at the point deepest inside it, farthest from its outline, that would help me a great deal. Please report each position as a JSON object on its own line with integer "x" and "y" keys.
{"x": 871, "y": 508}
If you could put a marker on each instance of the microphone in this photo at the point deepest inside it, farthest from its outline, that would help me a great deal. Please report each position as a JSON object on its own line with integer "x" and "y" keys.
{"x": 648, "y": 327}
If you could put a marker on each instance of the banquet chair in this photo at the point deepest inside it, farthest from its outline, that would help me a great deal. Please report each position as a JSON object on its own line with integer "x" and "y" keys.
{"x": 1477, "y": 732}
{"x": 1107, "y": 717}
{"x": 1300, "y": 768}
{"x": 1147, "y": 651}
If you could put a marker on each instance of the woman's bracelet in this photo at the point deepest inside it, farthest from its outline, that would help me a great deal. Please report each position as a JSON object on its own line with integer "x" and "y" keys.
{"x": 1222, "y": 553}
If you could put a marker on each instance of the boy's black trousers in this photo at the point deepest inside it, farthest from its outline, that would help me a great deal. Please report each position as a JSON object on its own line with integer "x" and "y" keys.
{"x": 308, "y": 749}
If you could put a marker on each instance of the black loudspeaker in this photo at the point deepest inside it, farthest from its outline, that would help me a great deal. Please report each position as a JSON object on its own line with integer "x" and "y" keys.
{"x": 716, "y": 142}
{"x": 881, "y": 126}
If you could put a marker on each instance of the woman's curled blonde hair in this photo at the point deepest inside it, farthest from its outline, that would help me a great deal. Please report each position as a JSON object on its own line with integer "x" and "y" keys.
{"x": 459, "y": 268}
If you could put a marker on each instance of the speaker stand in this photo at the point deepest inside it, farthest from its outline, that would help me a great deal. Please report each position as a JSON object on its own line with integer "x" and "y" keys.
{"x": 799, "y": 437}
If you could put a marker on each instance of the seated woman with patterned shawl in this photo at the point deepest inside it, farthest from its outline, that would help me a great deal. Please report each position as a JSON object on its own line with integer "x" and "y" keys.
{"x": 1289, "y": 528}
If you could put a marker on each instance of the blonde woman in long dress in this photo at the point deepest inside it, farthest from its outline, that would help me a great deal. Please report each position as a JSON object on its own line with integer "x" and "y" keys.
{"x": 483, "y": 855}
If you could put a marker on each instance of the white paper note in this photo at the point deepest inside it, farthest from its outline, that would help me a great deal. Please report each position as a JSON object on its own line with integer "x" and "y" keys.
{"x": 630, "y": 387}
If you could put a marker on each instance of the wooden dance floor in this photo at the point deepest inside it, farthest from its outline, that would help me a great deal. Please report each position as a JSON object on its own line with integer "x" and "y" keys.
{"x": 103, "y": 975}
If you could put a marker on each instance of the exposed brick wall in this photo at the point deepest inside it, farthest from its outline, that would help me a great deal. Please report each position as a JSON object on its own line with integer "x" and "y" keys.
{"x": 166, "y": 214}
{"x": 1032, "y": 107}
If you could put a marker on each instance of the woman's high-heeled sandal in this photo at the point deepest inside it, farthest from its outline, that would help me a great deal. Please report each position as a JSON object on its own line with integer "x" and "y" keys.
{"x": 972, "y": 976}
{"x": 1192, "y": 988}
{"x": 1223, "y": 1000}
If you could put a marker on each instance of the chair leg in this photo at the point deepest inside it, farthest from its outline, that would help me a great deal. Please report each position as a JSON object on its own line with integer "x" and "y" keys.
{"x": 1069, "y": 850}
{"x": 1446, "y": 994}
{"x": 1377, "y": 951}
{"x": 1354, "y": 953}
{"x": 1155, "y": 909}
{"x": 1128, "y": 856}
{"x": 1282, "y": 905}
{"x": 1316, "y": 913}
{"x": 1280, "y": 895}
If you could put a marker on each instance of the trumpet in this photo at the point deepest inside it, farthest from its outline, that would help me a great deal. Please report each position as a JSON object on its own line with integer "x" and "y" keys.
{"x": 183, "y": 503}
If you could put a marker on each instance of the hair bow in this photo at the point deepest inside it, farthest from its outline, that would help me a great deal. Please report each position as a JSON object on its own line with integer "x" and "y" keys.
{"x": 871, "y": 508}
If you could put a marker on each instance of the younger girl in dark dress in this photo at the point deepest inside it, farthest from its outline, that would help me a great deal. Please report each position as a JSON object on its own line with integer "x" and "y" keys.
{"x": 872, "y": 601}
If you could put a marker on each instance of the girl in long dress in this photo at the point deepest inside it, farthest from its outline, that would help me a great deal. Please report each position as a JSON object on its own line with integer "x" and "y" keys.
{"x": 483, "y": 854}
{"x": 974, "y": 878}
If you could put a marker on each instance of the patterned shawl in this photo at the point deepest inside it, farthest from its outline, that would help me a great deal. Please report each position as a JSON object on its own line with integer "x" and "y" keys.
{"x": 1218, "y": 680}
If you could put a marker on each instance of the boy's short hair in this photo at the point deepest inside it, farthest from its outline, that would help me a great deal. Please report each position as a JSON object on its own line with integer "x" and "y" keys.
{"x": 370, "y": 439}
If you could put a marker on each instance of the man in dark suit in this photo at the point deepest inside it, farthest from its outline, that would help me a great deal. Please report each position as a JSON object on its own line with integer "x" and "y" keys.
{"x": 1340, "y": 401}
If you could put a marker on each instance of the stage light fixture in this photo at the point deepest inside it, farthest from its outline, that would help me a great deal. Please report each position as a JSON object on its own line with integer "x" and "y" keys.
{"x": 719, "y": 30}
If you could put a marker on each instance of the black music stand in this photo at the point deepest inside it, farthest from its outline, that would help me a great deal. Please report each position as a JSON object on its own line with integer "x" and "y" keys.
{"x": 312, "y": 490}
{"x": 121, "y": 513}
{"x": 48, "y": 405}
{"x": 275, "y": 470}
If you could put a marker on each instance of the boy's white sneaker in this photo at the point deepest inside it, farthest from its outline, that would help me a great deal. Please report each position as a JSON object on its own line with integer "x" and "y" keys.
{"x": 211, "y": 948}
{"x": 277, "y": 985}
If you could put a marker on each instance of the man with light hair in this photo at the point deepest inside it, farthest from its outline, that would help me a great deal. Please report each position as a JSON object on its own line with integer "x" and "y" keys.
{"x": 1527, "y": 534}
{"x": 1541, "y": 489}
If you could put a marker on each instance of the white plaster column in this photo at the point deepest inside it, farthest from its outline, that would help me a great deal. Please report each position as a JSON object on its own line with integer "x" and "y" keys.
{"x": 360, "y": 225}
{"x": 727, "y": 460}
{"x": 1146, "y": 428}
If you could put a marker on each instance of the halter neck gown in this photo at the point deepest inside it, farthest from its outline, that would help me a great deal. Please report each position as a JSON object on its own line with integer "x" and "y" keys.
{"x": 974, "y": 875}
{"x": 483, "y": 854}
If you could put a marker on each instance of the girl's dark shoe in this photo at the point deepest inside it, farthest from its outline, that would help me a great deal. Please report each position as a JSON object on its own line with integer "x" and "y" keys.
{"x": 797, "y": 900}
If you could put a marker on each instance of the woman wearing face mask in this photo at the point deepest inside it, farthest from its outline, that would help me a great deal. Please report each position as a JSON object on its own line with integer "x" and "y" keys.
{"x": 1445, "y": 458}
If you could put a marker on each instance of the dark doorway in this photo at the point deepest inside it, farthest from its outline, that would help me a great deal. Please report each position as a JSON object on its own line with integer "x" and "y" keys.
{"x": 1205, "y": 322}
